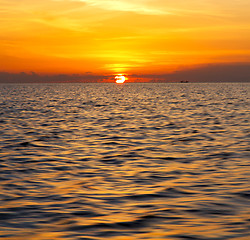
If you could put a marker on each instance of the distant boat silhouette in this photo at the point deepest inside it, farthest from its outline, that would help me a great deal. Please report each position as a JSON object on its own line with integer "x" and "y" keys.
{"x": 184, "y": 81}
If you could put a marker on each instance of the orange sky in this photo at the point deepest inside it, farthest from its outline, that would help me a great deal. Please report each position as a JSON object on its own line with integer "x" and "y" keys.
{"x": 123, "y": 36}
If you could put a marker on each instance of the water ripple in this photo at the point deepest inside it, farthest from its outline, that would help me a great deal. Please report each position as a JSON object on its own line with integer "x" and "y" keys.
{"x": 138, "y": 161}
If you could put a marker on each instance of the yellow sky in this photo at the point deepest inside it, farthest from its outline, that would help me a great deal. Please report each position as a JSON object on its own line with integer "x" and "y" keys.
{"x": 123, "y": 36}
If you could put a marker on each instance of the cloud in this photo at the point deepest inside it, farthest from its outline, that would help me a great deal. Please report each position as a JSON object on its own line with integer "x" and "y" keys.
{"x": 237, "y": 72}
{"x": 33, "y": 77}
{"x": 169, "y": 7}
{"x": 138, "y": 6}
{"x": 234, "y": 72}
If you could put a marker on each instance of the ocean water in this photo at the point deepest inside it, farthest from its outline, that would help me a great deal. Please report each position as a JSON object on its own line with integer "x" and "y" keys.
{"x": 124, "y": 162}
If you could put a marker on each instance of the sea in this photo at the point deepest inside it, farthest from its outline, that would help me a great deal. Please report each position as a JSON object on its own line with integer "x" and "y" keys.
{"x": 94, "y": 161}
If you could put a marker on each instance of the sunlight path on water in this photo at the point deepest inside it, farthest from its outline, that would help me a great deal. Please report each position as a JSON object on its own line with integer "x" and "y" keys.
{"x": 130, "y": 161}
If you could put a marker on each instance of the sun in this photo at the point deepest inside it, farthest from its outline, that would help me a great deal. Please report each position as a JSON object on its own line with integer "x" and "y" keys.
{"x": 120, "y": 78}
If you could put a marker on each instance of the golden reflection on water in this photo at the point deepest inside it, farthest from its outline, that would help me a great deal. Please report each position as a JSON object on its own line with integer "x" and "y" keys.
{"x": 142, "y": 161}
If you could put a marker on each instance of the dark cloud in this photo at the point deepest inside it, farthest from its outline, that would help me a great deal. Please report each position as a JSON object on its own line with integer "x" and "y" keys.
{"x": 32, "y": 77}
{"x": 239, "y": 72}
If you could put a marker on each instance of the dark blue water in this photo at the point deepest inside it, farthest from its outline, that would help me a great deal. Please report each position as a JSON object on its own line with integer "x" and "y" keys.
{"x": 124, "y": 162}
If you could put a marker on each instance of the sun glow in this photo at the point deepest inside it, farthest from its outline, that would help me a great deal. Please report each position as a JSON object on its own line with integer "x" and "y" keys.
{"x": 103, "y": 39}
{"x": 120, "y": 79}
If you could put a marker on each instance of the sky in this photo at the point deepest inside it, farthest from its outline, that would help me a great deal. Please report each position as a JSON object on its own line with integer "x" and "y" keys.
{"x": 131, "y": 37}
